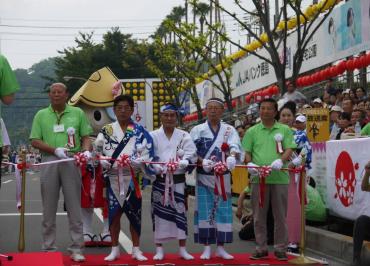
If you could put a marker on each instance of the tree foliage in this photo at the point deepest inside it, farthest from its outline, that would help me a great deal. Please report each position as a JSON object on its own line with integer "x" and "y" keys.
{"x": 304, "y": 23}
{"x": 120, "y": 52}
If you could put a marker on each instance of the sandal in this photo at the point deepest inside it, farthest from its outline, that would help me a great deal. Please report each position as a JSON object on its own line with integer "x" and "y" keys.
{"x": 105, "y": 240}
{"x": 90, "y": 240}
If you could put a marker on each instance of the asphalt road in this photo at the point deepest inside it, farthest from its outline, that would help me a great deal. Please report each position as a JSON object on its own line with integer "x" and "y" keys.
{"x": 9, "y": 229}
{"x": 9, "y": 220}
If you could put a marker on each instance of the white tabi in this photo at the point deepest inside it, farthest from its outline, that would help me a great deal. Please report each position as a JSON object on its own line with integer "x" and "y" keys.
{"x": 121, "y": 191}
{"x": 213, "y": 215}
{"x": 169, "y": 219}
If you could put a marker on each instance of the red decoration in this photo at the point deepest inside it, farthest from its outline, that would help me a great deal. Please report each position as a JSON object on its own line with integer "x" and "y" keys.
{"x": 357, "y": 62}
{"x": 350, "y": 65}
{"x": 368, "y": 59}
{"x": 233, "y": 103}
{"x": 225, "y": 147}
{"x": 345, "y": 179}
{"x": 363, "y": 62}
{"x": 342, "y": 66}
{"x": 275, "y": 89}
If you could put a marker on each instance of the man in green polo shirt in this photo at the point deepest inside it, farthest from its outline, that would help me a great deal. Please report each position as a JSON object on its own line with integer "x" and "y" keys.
{"x": 8, "y": 86}
{"x": 57, "y": 131}
{"x": 269, "y": 143}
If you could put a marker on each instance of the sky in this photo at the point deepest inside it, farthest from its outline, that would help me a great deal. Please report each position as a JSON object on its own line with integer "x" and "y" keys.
{"x": 31, "y": 30}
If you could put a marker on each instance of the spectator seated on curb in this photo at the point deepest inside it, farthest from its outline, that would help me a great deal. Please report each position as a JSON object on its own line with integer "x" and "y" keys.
{"x": 315, "y": 209}
{"x": 245, "y": 214}
{"x": 361, "y": 230}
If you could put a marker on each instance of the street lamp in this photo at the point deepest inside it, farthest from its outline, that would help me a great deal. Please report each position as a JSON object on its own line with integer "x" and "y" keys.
{"x": 68, "y": 78}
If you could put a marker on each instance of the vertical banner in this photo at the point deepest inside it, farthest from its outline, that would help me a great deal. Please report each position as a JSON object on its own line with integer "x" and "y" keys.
{"x": 318, "y": 165}
{"x": 136, "y": 89}
{"x": 345, "y": 160}
{"x": 317, "y": 124}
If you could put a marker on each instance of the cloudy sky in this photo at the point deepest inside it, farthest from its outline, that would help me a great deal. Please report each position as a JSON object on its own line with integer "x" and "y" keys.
{"x": 31, "y": 30}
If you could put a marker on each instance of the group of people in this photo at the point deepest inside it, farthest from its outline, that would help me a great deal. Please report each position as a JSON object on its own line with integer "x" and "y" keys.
{"x": 349, "y": 110}
{"x": 164, "y": 156}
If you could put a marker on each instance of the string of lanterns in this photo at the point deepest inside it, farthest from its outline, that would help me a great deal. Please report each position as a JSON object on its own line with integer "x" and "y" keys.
{"x": 329, "y": 72}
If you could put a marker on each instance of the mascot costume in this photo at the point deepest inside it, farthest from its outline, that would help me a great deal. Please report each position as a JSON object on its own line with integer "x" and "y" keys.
{"x": 96, "y": 97}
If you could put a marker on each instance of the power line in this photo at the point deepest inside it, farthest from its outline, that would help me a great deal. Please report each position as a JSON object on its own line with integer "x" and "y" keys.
{"x": 68, "y": 27}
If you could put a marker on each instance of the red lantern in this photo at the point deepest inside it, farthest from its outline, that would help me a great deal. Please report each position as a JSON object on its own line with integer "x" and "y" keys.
{"x": 233, "y": 103}
{"x": 194, "y": 116}
{"x": 363, "y": 61}
{"x": 298, "y": 82}
{"x": 247, "y": 98}
{"x": 350, "y": 65}
{"x": 368, "y": 59}
{"x": 316, "y": 77}
{"x": 357, "y": 63}
{"x": 270, "y": 91}
{"x": 304, "y": 81}
{"x": 310, "y": 80}
{"x": 342, "y": 66}
{"x": 275, "y": 90}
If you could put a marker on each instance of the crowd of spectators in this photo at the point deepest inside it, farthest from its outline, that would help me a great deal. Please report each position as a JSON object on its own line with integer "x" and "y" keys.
{"x": 349, "y": 110}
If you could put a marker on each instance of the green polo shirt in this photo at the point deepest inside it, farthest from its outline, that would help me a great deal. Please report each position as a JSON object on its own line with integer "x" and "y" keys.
{"x": 45, "y": 120}
{"x": 259, "y": 142}
{"x": 366, "y": 130}
{"x": 8, "y": 82}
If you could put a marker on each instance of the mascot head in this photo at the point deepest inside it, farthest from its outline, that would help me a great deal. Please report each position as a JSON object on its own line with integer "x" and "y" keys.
{"x": 96, "y": 97}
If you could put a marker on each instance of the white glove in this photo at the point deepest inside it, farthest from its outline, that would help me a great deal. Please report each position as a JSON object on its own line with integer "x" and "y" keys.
{"x": 297, "y": 161}
{"x": 252, "y": 171}
{"x": 157, "y": 168}
{"x": 87, "y": 154}
{"x": 137, "y": 163}
{"x": 207, "y": 165}
{"x": 183, "y": 164}
{"x": 105, "y": 164}
{"x": 277, "y": 164}
{"x": 230, "y": 162}
{"x": 61, "y": 153}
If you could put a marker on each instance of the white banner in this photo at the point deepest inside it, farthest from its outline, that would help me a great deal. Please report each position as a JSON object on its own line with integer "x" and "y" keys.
{"x": 345, "y": 160}
{"x": 318, "y": 165}
{"x": 344, "y": 33}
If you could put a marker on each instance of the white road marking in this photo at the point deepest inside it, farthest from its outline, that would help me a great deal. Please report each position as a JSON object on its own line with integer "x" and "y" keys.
{"x": 125, "y": 242}
{"x": 7, "y": 181}
{"x": 30, "y": 214}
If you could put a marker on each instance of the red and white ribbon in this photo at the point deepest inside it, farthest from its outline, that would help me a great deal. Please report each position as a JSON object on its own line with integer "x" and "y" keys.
{"x": 219, "y": 169}
{"x": 71, "y": 137}
{"x": 172, "y": 166}
{"x": 263, "y": 172}
{"x": 81, "y": 161}
{"x": 279, "y": 146}
{"x": 125, "y": 161}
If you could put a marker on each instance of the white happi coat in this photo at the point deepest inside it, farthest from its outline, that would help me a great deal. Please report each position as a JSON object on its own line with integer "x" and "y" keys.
{"x": 166, "y": 149}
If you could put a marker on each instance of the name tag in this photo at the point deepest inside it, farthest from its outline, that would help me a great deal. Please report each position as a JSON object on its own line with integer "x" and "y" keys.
{"x": 58, "y": 128}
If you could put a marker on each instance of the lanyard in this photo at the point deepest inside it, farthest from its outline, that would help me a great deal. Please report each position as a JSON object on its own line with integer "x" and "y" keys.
{"x": 59, "y": 117}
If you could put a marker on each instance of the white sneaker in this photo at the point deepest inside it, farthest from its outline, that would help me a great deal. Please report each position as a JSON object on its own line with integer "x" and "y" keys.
{"x": 77, "y": 257}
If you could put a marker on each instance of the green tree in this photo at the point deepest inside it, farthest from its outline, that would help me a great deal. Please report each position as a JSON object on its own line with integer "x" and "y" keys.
{"x": 304, "y": 24}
